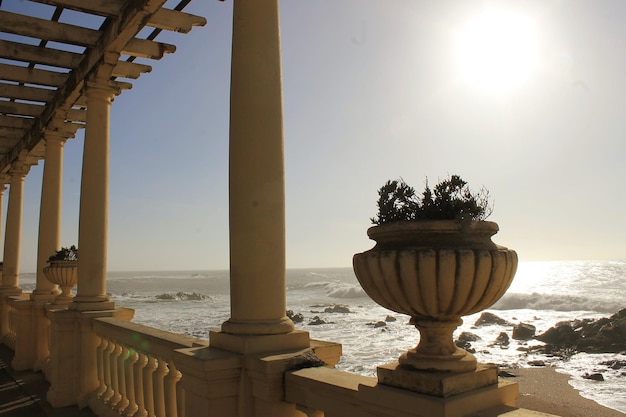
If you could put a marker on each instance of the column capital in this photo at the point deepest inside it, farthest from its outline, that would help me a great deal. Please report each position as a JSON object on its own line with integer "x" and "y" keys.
{"x": 19, "y": 169}
{"x": 100, "y": 82}
{"x": 57, "y": 131}
{"x": 101, "y": 89}
{"x": 54, "y": 136}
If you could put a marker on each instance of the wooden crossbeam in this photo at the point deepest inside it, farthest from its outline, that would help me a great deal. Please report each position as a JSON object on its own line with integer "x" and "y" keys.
{"x": 76, "y": 115}
{"x": 175, "y": 21}
{"x": 125, "y": 69}
{"x": 39, "y": 55}
{"x": 47, "y": 30}
{"x": 107, "y": 8}
{"x": 18, "y": 92}
{"x": 143, "y": 48}
{"x": 20, "y": 109}
{"x": 32, "y": 75}
{"x": 16, "y": 122}
{"x": 11, "y": 133}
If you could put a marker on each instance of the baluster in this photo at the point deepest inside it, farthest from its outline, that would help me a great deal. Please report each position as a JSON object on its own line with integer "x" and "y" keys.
{"x": 100, "y": 363}
{"x": 132, "y": 407}
{"x": 170, "y": 382}
{"x": 121, "y": 376}
{"x": 108, "y": 353}
{"x": 159, "y": 389}
{"x": 180, "y": 398}
{"x": 117, "y": 397}
{"x": 140, "y": 365}
{"x": 148, "y": 386}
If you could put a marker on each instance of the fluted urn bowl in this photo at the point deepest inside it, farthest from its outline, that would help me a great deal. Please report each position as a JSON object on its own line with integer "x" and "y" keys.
{"x": 65, "y": 275}
{"x": 436, "y": 271}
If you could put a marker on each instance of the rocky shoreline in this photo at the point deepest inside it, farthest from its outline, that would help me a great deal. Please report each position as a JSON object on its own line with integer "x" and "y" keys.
{"x": 561, "y": 341}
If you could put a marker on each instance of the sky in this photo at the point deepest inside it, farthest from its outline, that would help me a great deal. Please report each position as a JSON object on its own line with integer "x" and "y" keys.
{"x": 372, "y": 91}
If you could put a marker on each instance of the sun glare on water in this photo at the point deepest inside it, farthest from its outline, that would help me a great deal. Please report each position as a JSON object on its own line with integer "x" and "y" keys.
{"x": 497, "y": 50}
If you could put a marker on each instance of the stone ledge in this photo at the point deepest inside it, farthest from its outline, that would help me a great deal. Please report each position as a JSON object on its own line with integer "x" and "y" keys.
{"x": 504, "y": 411}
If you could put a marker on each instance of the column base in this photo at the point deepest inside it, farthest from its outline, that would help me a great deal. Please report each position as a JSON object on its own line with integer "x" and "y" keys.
{"x": 10, "y": 291}
{"x": 46, "y": 296}
{"x": 258, "y": 327}
{"x": 221, "y": 383}
{"x": 438, "y": 384}
{"x": 250, "y": 344}
{"x": 82, "y": 305}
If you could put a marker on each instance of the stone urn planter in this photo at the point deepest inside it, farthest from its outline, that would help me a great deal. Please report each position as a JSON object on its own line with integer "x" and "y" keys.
{"x": 435, "y": 271}
{"x": 62, "y": 270}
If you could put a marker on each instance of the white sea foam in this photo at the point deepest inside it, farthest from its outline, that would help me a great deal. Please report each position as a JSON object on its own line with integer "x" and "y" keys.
{"x": 557, "y": 302}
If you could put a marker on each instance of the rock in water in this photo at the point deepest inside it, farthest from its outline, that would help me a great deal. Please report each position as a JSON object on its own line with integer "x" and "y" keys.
{"x": 490, "y": 318}
{"x": 524, "y": 331}
{"x": 337, "y": 309}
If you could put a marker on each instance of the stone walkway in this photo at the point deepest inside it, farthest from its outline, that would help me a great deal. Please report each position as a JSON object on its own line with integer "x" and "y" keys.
{"x": 23, "y": 393}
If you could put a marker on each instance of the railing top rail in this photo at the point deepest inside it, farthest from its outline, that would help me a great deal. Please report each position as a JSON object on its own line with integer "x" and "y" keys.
{"x": 143, "y": 338}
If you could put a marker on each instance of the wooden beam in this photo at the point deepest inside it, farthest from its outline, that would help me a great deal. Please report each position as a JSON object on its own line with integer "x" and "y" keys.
{"x": 20, "y": 109}
{"x": 76, "y": 115}
{"x": 47, "y": 30}
{"x": 108, "y": 8}
{"x": 132, "y": 70}
{"x": 32, "y": 75}
{"x": 16, "y": 122}
{"x": 11, "y": 133}
{"x": 143, "y": 48}
{"x": 39, "y": 55}
{"x": 22, "y": 92}
{"x": 175, "y": 21}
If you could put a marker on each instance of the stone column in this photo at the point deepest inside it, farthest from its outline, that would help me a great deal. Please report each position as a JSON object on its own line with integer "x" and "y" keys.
{"x": 257, "y": 180}
{"x": 50, "y": 212}
{"x": 13, "y": 234}
{"x": 12, "y": 237}
{"x": 4, "y": 179}
{"x": 94, "y": 193}
{"x": 32, "y": 324}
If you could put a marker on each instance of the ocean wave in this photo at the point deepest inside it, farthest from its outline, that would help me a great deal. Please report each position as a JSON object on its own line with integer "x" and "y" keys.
{"x": 182, "y": 296}
{"x": 337, "y": 289}
{"x": 556, "y": 302}
{"x": 341, "y": 290}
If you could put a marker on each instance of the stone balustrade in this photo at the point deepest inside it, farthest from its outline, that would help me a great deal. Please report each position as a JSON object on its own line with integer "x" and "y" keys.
{"x": 136, "y": 370}
{"x": 11, "y": 334}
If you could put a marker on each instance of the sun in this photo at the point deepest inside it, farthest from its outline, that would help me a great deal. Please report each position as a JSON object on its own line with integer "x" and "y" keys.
{"x": 497, "y": 50}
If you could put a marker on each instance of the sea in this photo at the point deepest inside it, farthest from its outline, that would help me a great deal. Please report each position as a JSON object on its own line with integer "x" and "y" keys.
{"x": 542, "y": 294}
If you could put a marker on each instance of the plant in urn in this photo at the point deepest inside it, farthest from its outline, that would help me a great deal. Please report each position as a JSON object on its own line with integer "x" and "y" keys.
{"x": 434, "y": 261}
{"x": 62, "y": 270}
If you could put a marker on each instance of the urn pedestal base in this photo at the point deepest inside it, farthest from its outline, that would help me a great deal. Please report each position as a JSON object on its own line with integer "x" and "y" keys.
{"x": 436, "y": 351}
{"x": 438, "y": 384}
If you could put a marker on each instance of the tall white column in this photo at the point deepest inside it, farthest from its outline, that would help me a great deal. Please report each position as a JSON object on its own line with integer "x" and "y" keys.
{"x": 13, "y": 233}
{"x": 94, "y": 195}
{"x": 257, "y": 178}
{"x": 50, "y": 212}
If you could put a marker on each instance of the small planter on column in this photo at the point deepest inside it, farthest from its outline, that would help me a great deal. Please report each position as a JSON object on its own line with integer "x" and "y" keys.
{"x": 434, "y": 261}
{"x": 62, "y": 270}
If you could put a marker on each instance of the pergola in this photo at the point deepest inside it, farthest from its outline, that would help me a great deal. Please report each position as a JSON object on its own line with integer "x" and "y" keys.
{"x": 45, "y": 63}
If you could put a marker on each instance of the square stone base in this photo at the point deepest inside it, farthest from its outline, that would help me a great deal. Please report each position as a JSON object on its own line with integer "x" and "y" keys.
{"x": 439, "y": 384}
{"x": 253, "y": 344}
